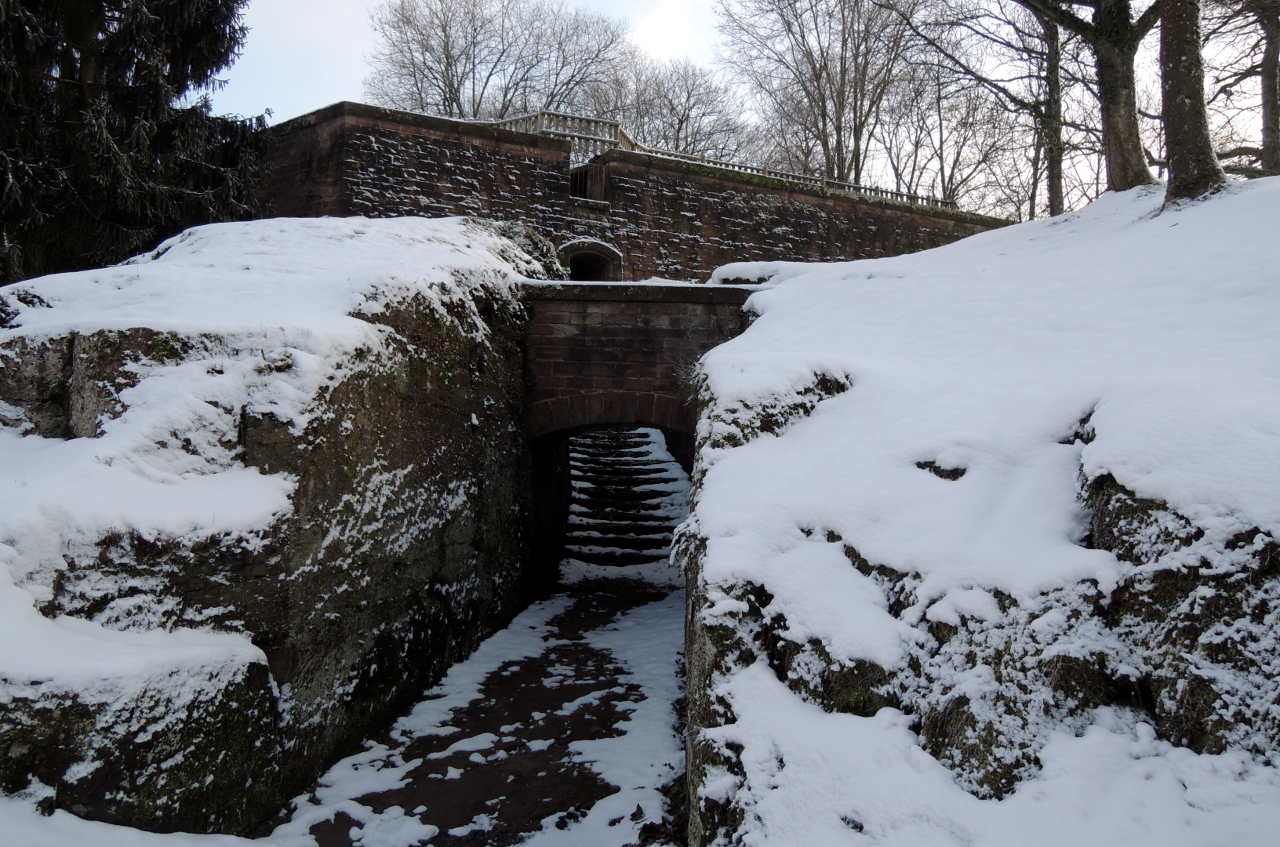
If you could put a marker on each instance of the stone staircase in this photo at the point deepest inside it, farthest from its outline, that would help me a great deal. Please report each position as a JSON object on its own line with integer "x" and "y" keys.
{"x": 628, "y": 496}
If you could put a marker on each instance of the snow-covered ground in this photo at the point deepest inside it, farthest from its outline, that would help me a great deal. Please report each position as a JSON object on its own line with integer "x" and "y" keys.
{"x": 954, "y": 454}
{"x": 980, "y": 360}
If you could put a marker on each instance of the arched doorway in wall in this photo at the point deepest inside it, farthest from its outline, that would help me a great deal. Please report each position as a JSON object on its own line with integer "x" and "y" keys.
{"x": 591, "y": 260}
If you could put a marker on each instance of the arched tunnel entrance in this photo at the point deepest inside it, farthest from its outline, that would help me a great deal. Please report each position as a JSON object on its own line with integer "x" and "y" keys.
{"x": 588, "y": 266}
{"x": 606, "y": 500}
{"x": 589, "y": 260}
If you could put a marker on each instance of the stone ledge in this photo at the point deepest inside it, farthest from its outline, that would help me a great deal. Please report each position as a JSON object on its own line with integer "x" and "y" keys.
{"x": 353, "y": 113}
{"x": 613, "y": 292}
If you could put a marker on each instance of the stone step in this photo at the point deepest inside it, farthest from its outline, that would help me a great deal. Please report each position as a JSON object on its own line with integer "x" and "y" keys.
{"x": 621, "y": 511}
{"x": 621, "y": 493}
{"x": 583, "y": 523}
{"x": 603, "y": 451}
{"x": 646, "y": 483}
{"x": 624, "y": 471}
{"x": 661, "y": 510}
{"x": 585, "y": 462}
{"x": 615, "y": 481}
{"x": 575, "y": 541}
{"x": 623, "y": 516}
{"x": 620, "y": 559}
{"x": 639, "y": 476}
{"x": 610, "y": 441}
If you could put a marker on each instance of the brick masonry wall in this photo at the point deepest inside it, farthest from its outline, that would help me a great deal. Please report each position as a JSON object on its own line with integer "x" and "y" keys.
{"x": 678, "y": 220}
{"x": 668, "y": 218}
{"x": 620, "y": 353}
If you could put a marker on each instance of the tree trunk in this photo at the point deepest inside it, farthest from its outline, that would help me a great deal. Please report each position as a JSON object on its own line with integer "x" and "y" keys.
{"x": 1115, "y": 45}
{"x": 1034, "y": 196}
{"x": 1193, "y": 166}
{"x": 1271, "y": 91}
{"x": 1051, "y": 129}
{"x": 1117, "y": 92}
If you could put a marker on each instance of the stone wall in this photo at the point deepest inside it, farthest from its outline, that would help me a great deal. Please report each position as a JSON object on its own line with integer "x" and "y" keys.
{"x": 621, "y": 353}
{"x": 667, "y": 218}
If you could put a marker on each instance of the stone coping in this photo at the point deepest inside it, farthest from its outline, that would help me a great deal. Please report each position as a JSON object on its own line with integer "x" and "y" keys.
{"x": 638, "y": 292}
{"x": 393, "y": 118}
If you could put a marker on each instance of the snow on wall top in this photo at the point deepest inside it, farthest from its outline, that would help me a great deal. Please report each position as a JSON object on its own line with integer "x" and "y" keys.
{"x": 271, "y": 304}
{"x": 984, "y": 355}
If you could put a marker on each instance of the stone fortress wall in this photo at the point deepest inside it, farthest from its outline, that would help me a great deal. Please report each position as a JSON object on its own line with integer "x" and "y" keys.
{"x": 622, "y": 215}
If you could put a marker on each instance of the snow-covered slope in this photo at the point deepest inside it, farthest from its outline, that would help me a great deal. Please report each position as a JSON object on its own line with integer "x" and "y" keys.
{"x": 284, "y": 305}
{"x": 249, "y": 437}
{"x": 1013, "y": 501}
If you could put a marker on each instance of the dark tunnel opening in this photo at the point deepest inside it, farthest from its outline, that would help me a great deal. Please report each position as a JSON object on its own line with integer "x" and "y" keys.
{"x": 589, "y": 267}
{"x": 559, "y": 463}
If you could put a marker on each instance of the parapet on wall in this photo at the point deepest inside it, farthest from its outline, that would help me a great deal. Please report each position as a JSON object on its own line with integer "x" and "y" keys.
{"x": 666, "y": 218}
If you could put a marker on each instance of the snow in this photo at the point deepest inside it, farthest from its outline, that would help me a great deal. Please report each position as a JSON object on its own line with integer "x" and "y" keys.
{"x": 259, "y": 318}
{"x": 79, "y": 655}
{"x": 296, "y": 278}
{"x": 269, "y": 313}
{"x": 654, "y": 281}
{"x": 981, "y": 356}
{"x": 984, "y": 357}
{"x": 377, "y": 768}
{"x": 673, "y": 505}
{"x": 647, "y": 642}
{"x": 830, "y": 773}
{"x": 819, "y": 580}
{"x": 23, "y": 825}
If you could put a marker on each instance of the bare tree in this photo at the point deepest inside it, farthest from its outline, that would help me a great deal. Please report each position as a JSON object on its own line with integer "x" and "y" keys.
{"x": 942, "y": 134}
{"x": 1016, "y": 55}
{"x": 676, "y": 105}
{"x": 487, "y": 58}
{"x": 1114, "y": 35}
{"x": 904, "y": 126}
{"x": 1245, "y": 37}
{"x": 821, "y": 68}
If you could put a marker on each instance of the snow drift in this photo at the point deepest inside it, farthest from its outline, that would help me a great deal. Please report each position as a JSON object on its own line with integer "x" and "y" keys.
{"x": 997, "y": 520}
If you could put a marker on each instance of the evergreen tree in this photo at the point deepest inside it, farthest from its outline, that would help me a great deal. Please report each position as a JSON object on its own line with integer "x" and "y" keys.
{"x": 107, "y": 143}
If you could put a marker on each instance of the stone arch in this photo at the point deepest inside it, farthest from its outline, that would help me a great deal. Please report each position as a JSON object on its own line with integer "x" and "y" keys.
{"x": 602, "y": 408}
{"x": 591, "y": 260}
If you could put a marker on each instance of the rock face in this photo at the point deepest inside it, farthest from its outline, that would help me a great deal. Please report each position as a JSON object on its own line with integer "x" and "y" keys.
{"x": 401, "y": 546}
{"x": 1187, "y": 640}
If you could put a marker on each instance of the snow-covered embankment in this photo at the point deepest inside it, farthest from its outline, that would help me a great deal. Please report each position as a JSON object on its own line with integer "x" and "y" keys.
{"x": 997, "y": 520}
{"x": 256, "y": 489}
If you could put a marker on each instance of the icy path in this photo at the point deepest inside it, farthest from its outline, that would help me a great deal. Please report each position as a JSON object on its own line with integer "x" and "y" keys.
{"x": 560, "y": 726}
{"x": 559, "y": 730}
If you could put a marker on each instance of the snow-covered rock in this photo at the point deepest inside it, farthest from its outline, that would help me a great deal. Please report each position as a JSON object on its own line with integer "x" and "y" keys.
{"x": 256, "y": 489}
{"x": 984, "y": 540}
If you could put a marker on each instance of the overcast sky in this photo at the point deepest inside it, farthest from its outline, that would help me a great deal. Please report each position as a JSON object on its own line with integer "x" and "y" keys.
{"x": 304, "y": 54}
